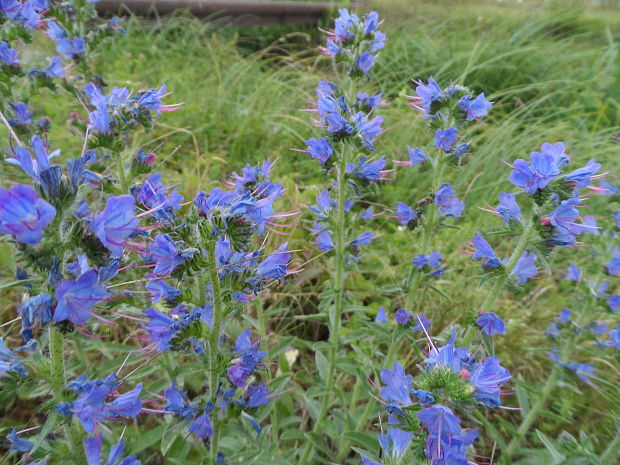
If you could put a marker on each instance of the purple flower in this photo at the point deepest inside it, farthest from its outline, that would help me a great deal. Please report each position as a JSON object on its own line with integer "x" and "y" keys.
{"x": 508, "y": 208}
{"x": 476, "y": 108}
{"x": 201, "y": 427}
{"x": 324, "y": 240}
{"x": 37, "y": 309}
{"x": 41, "y": 163}
{"x": 71, "y": 48}
{"x": 89, "y": 407}
{"x": 250, "y": 359}
{"x": 439, "y": 420}
{"x": 126, "y": 405}
{"x": 484, "y": 252}
{"x": 320, "y": 149}
{"x": 9, "y": 362}
{"x": 614, "y": 302}
{"x": 564, "y": 219}
{"x": 525, "y": 268}
{"x": 445, "y": 138}
{"x": 23, "y": 214}
{"x": 397, "y": 385}
{"x": 402, "y": 316}
{"x": 275, "y": 266}
{"x": 573, "y": 273}
{"x": 448, "y": 204}
{"x": 448, "y": 356}
{"x": 381, "y": 316}
{"x": 613, "y": 266}
{"x": 491, "y": 324}
{"x": 75, "y": 298}
{"x": 115, "y": 223}
{"x": 417, "y": 156}
{"x": 365, "y": 238}
{"x": 420, "y": 261}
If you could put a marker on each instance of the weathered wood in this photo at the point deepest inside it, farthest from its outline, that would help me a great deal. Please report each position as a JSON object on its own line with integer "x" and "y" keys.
{"x": 239, "y": 13}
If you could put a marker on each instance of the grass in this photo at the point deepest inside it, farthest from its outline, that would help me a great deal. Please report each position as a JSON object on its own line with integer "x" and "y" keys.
{"x": 552, "y": 70}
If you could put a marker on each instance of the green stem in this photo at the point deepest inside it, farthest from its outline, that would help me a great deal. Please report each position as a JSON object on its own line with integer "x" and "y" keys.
{"x": 262, "y": 331}
{"x": 413, "y": 280}
{"x": 610, "y": 455}
{"x": 214, "y": 339}
{"x": 57, "y": 368}
{"x": 336, "y": 321}
{"x": 122, "y": 176}
{"x": 345, "y": 445}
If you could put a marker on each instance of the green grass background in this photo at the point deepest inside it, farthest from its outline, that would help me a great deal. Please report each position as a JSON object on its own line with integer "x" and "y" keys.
{"x": 552, "y": 68}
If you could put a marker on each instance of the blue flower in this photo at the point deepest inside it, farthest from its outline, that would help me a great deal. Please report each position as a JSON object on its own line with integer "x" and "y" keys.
{"x": 448, "y": 356}
{"x": 439, "y": 420}
{"x": 99, "y": 119}
{"x": 365, "y": 238}
{"x": 525, "y": 268}
{"x": 445, "y": 138}
{"x": 37, "y": 309}
{"x": 275, "y": 266}
{"x": 417, "y": 156}
{"x": 365, "y": 61}
{"x": 89, "y": 407}
{"x": 581, "y": 177}
{"x": 543, "y": 168}
{"x": 614, "y": 338}
{"x": 201, "y": 427}
{"x": 368, "y": 102}
{"x": 476, "y": 108}
{"x": 75, "y": 298}
{"x": 484, "y": 252}
{"x": 424, "y": 397}
{"x": 41, "y": 163}
{"x": 573, "y": 273}
{"x": 22, "y": 114}
{"x": 402, "y": 316}
{"x": 564, "y": 218}
{"x": 420, "y": 261}
{"x": 381, "y": 316}
{"x": 256, "y": 395}
{"x": 250, "y": 359}
{"x": 126, "y": 405}
{"x": 448, "y": 204}
{"x": 176, "y": 403}
{"x": 159, "y": 290}
{"x": 8, "y": 56}
{"x": 613, "y": 266}
{"x": 115, "y": 223}
{"x": 92, "y": 448}
{"x": 614, "y": 302}
{"x": 9, "y": 362}
{"x": 164, "y": 252}
{"x": 366, "y": 170}
{"x": 71, "y": 48}
{"x": 320, "y": 149}
{"x": 508, "y": 208}
{"x": 491, "y": 324}
{"x": 405, "y": 214}
{"x": 397, "y": 385}
{"x": 154, "y": 195}
{"x": 422, "y": 323}
{"x": 487, "y": 377}
{"x": 368, "y": 130}
{"x": 161, "y": 328}
{"x": 429, "y": 93}
{"x": 18, "y": 444}
{"x": 23, "y": 214}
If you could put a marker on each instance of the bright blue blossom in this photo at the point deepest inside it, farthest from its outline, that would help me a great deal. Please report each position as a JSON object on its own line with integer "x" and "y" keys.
{"x": 75, "y": 298}
{"x": 484, "y": 252}
{"x": 508, "y": 208}
{"x": 476, "y": 108}
{"x": 543, "y": 168}
{"x": 156, "y": 196}
{"x": 275, "y": 266}
{"x": 159, "y": 290}
{"x": 366, "y": 170}
{"x": 422, "y": 322}
{"x": 201, "y": 427}
{"x": 9, "y": 362}
{"x": 397, "y": 385}
{"x": 250, "y": 359}
{"x": 35, "y": 310}
{"x": 368, "y": 130}
{"x": 445, "y": 138}
{"x": 487, "y": 376}
{"x": 613, "y": 265}
{"x": 92, "y": 448}
{"x": 18, "y": 444}
{"x": 115, "y": 223}
{"x": 23, "y": 214}
{"x": 405, "y": 214}
{"x": 365, "y": 61}
{"x": 41, "y": 163}
{"x": 448, "y": 204}
{"x": 165, "y": 254}
{"x": 525, "y": 268}
{"x": 177, "y": 404}
{"x": 417, "y": 156}
{"x": 402, "y": 316}
{"x": 491, "y": 324}
{"x": 22, "y": 114}
{"x": 320, "y": 149}
{"x": 381, "y": 316}
{"x": 8, "y": 56}
{"x": 428, "y": 94}
{"x": 581, "y": 177}
{"x": 256, "y": 396}
{"x": 71, "y": 48}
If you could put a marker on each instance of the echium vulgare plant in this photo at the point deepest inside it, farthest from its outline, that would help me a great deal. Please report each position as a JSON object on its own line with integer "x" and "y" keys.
{"x": 448, "y": 113}
{"x": 100, "y": 242}
{"x": 346, "y": 114}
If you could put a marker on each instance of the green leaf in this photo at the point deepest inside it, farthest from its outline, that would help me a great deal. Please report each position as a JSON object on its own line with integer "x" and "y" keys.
{"x": 555, "y": 454}
{"x": 322, "y": 364}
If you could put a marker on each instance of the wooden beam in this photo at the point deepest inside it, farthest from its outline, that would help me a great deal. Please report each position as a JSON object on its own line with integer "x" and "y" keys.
{"x": 238, "y": 13}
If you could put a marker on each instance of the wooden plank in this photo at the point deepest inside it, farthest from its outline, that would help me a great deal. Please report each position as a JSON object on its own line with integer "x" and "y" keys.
{"x": 239, "y": 13}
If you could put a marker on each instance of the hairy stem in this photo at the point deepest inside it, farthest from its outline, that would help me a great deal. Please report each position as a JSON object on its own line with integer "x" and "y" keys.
{"x": 214, "y": 339}
{"x": 57, "y": 368}
{"x": 335, "y": 322}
